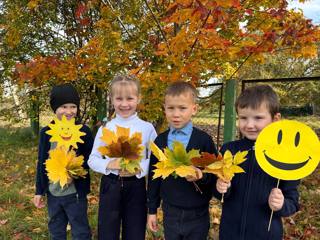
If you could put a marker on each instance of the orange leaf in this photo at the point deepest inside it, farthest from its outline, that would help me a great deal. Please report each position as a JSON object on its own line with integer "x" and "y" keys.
{"x": 205, "y": 159}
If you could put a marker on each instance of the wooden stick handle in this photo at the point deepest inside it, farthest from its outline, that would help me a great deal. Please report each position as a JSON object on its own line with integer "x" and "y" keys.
{"x": 269, "y": 226}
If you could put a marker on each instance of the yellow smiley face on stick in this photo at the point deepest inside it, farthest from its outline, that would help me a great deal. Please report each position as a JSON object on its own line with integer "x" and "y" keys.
{"x": 287, "y": 150}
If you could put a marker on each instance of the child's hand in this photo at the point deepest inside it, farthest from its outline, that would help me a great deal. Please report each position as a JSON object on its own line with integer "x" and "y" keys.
{"x": 152, "y": 222}
{"x": 70, "y": 180}
{"x": 222, "y": 186}
{"x": 114, "y": 164}
{"x": 124, "y": 173}
{"x": 276, "y": 199}
{"x": 198, "y": 176}
{"x": 38, "y": 201}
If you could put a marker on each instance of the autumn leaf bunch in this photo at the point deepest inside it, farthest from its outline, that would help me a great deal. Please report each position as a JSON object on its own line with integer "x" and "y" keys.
{"x": 227, "y": 166}
{"x": 63, "y": 166}
{"x": 176, "y": 161}
{"x": 119, "y": 144}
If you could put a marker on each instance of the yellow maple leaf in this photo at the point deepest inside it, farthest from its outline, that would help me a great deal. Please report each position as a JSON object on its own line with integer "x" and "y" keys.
{"x": 119, "y": 144}
{"x": 63, "y": 165}
{"x": 227, "y": 167}
{"x": 65, "y": 132}
{"x": 176, "y": 162}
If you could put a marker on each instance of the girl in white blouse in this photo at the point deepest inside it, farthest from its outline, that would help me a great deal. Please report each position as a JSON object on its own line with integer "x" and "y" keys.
{"x": 122, "y": 203}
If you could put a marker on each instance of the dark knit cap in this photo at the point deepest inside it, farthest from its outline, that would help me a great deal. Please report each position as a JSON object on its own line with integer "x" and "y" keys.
{"x": 62, "y": 94}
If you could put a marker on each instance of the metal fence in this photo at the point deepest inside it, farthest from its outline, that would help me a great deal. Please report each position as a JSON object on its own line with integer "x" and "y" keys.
{"x": 299, "y": 99}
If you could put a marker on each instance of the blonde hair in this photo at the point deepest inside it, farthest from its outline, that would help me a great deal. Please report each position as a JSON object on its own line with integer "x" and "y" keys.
{"x": 125, "y": 80}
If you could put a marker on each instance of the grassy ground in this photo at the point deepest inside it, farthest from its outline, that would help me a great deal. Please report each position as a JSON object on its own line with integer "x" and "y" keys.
{"x": 19, "y": 219}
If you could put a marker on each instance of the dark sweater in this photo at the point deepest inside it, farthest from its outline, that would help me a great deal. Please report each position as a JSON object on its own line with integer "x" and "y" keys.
{"x": 42, "y": 182}
{"x": 245, "y": 212}
{"x": 178, "y": 191}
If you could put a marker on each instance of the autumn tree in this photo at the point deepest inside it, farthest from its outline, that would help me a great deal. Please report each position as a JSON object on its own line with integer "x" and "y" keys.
{"x": 160, "y": 41}
{"x": 40, "y": 42}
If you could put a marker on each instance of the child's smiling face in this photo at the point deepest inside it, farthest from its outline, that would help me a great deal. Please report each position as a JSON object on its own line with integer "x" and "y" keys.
{"x": 69, "y": 110}
{"x": 252, "y": 121}
{"x": 125, "y": 99}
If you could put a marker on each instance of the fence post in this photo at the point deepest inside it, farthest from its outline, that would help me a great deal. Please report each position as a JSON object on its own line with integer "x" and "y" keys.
{"x": 230, "y": 112}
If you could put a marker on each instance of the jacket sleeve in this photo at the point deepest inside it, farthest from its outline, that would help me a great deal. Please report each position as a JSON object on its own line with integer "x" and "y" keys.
{"x": 97, "y": 162}
{"x": 153, "y": 190}
{"x": 291, "y": 198}
{"x": 86, "y": 146}
{"x": 41, "y": 176}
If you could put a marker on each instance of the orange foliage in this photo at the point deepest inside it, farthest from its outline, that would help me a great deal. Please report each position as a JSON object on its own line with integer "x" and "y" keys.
{"x": 190, "y": 40}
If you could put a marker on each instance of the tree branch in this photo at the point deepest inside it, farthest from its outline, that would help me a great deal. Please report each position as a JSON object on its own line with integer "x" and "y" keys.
{"x": 118, "y": 18}
{"x": 196, "y": 40}
{"x": 158, "y": 25}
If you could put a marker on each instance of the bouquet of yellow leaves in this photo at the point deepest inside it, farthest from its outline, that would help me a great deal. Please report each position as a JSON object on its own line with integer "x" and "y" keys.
{"x": 64, "y": 165}
{"x": 226, "y": 167}
{"x": 176, "y": 161}
{"x": 119, "y": 144}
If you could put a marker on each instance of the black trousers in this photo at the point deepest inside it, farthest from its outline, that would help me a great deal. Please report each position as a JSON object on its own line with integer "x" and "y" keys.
{"x": 122, "y": 205}
{"x": 185, "y": 224}
{"x": 72, "y": 209}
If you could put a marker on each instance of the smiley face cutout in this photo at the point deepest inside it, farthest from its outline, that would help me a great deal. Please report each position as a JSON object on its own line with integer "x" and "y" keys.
{"x": 287, "y": 150}
{"x": 65, "y": 132}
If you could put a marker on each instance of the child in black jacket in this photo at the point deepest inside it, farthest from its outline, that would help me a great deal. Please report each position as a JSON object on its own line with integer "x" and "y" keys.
{"x": 186, "y": 210}
{"x": 70, "y": 203}
{"x": 250, "y": 197}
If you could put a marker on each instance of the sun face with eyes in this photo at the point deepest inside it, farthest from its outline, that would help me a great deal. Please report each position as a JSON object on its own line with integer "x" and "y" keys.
{"x": 288, "y": 150}
{"x": 65, "y": 133}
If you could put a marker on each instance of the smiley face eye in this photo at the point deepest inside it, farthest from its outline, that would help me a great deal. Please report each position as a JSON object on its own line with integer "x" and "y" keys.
{"x": 279, "y": 136}
{"x": 297, "y": 139}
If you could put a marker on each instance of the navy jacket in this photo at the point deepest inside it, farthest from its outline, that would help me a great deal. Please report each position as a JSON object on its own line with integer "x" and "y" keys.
{"x": 178, "y": 191}
{"x": 42, "y": 182}
{"x": 245, "y": 212}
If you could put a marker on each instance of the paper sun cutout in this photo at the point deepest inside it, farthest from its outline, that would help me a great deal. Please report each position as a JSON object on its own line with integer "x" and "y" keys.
{"x": 65, "y": 133}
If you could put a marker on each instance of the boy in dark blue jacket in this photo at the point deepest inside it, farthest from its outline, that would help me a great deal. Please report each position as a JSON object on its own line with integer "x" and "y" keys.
{"x": 250, "y": 197}
{"x": 185, "y": 209}
{"x": 70, "y": 203}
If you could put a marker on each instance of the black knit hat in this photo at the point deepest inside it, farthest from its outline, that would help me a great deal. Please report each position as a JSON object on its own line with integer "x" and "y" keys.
{"x": 62, "y": 94}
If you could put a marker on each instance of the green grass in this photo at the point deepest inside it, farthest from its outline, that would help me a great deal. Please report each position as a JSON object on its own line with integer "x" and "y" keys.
{"x": 19, "y": 219}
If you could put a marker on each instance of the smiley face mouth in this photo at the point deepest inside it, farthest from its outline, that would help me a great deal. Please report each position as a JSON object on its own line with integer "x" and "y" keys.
{"x": 285, "y": 166}
{"x": 68, "y": 138}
